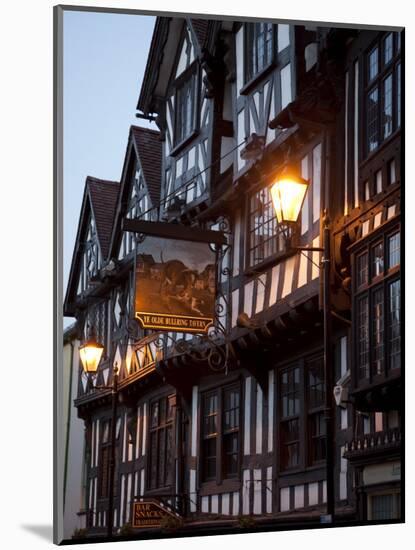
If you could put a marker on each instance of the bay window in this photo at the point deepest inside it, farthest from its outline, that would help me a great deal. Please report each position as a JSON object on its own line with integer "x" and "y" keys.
{"x": 186, "y": 98}
{"x": 383, "y": 90}
{"x": 377, "y": 306}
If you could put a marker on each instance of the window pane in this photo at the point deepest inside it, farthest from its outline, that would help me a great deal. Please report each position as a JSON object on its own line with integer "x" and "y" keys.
{"x": 185, "y": 109}
{"x": 372, "y": 120}
{"x": 263, "y": 228}
{"x": 169, "y": 468}
{"x": 394, "y": 250}
{"x": 153, "y": 459}
{"x": 387, "y": 107}
{"x": 387, "y": 48}
{"x": 209, "y": 454}
{"x": 161, "y": 443}
{"x": 230, "y": 444}
{"x": 155, "y": 414}
{"x": 398, "y": 94}
{"x": 367, "y": 190}
{"x": 290, "y": 392}
{"x": 362, "y": 270}
{"x": 377, "y": 331}
{"x": 105, "y": 433}
{"x": 317, "y": 437}
{"x": 161, "y": 457}
{"x": 363, "y": 337}
{"x": 210, "y": 414}
{"x": 259, "y": 43}
{"x": 290, "y": 433}
{"x": 315, "y": 385}
{"x": 392, "y": 172}
{"x": 373, "y": 64}
{"x": 290, "y": 443}
{"x": 394, "y": 325}
{"x": 377, "y": 259}
{"x": 231, "y": 409}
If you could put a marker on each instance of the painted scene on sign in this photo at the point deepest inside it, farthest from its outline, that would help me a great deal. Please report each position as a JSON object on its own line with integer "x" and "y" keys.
{"x": 175, "y": 278}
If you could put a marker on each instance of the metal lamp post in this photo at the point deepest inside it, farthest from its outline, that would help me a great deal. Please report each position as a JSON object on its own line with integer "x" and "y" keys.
{"x": 90, "y": 353}
{"x": 288, "y": 194}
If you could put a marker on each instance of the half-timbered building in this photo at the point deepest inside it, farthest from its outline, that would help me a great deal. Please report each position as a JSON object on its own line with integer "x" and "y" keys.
{"x": 246, "y": 436}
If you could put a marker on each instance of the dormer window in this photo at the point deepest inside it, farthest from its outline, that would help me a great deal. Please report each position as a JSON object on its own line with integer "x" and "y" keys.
{"x": 259, "y": 47}
{"x": 264, "y": 43}
{"x": 186, "y": 105}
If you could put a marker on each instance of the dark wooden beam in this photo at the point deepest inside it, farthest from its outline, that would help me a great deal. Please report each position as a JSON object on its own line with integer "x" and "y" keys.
{"x": 174, "y": 231}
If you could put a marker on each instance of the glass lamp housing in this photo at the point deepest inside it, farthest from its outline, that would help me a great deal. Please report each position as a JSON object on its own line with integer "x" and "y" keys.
{"x": 288, "y": 193}
{"x": 90, "y": 353}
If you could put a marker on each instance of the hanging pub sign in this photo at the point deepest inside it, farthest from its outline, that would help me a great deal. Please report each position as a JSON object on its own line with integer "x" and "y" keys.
{"x": 148, "y": 513}
{"x": 175, "y": 279}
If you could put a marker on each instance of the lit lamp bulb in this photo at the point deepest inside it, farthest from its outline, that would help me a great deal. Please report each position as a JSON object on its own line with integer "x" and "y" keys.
{"x": 288, "y": 193}
{"x": 90, "y": 353}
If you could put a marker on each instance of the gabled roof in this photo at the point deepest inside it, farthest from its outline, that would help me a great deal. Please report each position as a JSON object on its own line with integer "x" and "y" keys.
{"x": 103, "y": 195}
{"x": 148, "y": 146}
{"x": 163, "y": 54}
{"x": 144, "y": 144}
{"x": 100, "y": 199}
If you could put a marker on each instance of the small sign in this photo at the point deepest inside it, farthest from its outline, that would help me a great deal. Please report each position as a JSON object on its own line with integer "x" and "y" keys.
{"x": 149, "y": 513}
{"x": 175, "y": 286}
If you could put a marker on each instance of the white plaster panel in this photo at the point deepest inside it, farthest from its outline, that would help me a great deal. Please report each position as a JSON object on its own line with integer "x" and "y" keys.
{"x": 246, "y": 477}
{"x": 284, "y": 499}
{"x": 194, "y": 419}
{"x": 235, "y": 503}
{"x": 235, "y": 306}
{"x": 225, "y": 504}
{"x": 275, "y": 276}
{"x": 302, "y": 274}
{"x": 257, "y": 491}
{"x": 286, "y": 94}
{"x": 316, "y": 182}
{"x": 142, "y": 481}
{"x": 299, "y": 496}
{"x": 204, "y": 505}
{"x": 248, "y": 296}
{"x": 313, "y": 494}
{"x": 258, "y": 432}
{"x": 315, "y": 270}
{"x": 239, "y": 53}
{"x": 288, "y": 276}
{"x": 261, "y": 284}
{"x": 214, "y": 504}
{"x": 283, "y": 36}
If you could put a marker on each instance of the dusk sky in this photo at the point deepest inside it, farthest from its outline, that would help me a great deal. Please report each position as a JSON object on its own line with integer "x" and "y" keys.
{"x": 104, "y": 61}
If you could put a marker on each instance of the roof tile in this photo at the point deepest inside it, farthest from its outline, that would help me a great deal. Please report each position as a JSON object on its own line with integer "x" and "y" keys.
{"x": 148, "y": 147}
{"x": 103, "y": 194}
